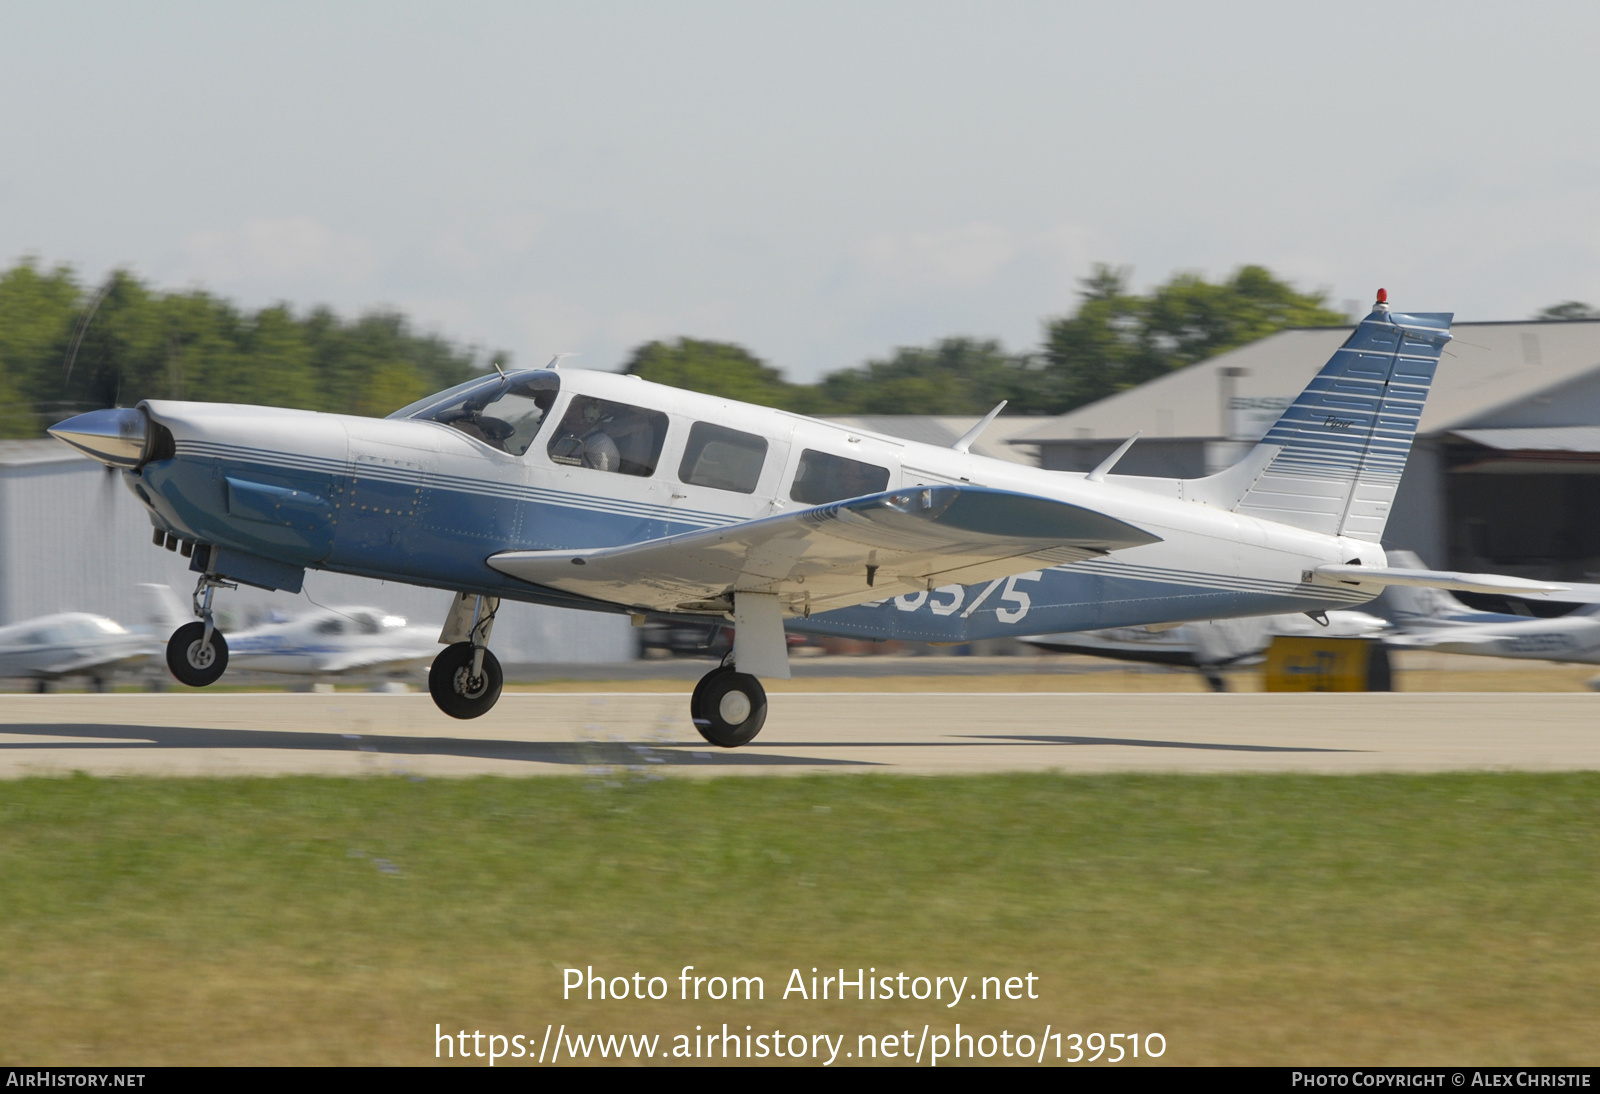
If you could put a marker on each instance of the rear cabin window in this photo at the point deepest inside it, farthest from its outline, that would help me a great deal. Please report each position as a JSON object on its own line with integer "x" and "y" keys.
{"x": 722, "y": 458}
{"x": 822, "y": 478}
{"x": 609, "y": 436}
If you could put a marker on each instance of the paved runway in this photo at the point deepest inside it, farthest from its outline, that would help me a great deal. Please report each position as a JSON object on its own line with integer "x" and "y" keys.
{"x": 633, "y": 733}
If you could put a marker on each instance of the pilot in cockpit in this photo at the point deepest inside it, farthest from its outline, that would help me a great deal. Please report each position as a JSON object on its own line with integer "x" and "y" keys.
{"x": 586, "y": 442}
{"x": 469, "y": 419}
{"x": 504, "y": 414}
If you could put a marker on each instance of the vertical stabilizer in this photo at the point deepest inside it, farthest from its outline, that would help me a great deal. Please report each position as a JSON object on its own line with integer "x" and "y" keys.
{"x": 1332, "y": 463}
{"x": 161, "y": 610}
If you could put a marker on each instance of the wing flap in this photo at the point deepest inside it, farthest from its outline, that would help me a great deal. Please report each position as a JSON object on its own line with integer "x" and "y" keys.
{"x": 836, "y": 555}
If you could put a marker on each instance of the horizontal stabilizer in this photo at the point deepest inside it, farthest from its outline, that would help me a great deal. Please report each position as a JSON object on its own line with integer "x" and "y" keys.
{"x": 1444, "y": 579}
{"x": 836, "y": 555}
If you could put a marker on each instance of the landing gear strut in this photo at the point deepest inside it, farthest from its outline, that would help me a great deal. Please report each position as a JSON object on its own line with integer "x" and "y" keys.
{"x": 729, "y": 707}
{"x": 465, "y": 679}
{"x": 197, "y": 653}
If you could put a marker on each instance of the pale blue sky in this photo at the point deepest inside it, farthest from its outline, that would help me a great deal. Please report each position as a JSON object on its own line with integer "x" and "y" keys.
{"x": 820, "y": 182}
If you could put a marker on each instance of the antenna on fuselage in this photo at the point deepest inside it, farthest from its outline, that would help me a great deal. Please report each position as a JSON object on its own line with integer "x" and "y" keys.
{"x": 977, "y": 431}
{"x": 555, "y": 362}
{"x": 1099, "y": 473}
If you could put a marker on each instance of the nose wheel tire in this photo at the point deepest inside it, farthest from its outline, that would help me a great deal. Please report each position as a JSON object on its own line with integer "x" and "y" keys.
{"x": 456, "y": 691}
{"x": 194, "y": 661}
{"x": 729, "y": 707}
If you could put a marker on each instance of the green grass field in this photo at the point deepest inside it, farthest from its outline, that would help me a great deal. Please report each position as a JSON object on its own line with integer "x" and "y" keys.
{"x": 1251, "y": 919}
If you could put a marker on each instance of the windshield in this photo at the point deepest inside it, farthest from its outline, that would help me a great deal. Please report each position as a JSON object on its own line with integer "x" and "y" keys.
{"x": 502, "y": 411}
{"x": 438, "y": 398}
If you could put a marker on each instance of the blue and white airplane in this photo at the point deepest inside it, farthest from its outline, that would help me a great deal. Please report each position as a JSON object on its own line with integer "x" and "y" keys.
{"x": 606, "y": 492}
{"x": 332, "y": 642}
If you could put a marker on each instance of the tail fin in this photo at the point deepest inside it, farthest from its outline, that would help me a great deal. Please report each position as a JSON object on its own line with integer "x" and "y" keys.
{"x": 1332, "y": 463}
{"x": 161, "y": 611}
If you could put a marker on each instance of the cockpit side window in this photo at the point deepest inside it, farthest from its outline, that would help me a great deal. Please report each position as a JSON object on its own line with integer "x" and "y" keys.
{"x": 821, "y": 478}
{"x": 722, "y": 458}
{"x": 609, "y": 436}
{"x": 504, "y": 412}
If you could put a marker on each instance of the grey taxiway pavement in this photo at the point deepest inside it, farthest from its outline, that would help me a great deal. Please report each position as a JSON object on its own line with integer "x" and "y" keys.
{"x": 912, "y": 733}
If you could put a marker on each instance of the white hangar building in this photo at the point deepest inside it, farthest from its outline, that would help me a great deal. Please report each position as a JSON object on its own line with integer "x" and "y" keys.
{"x": 1505, "y": 473}
{"x": 72, "y": 538}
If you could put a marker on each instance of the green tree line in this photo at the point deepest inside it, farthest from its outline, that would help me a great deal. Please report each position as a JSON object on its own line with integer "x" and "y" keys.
{"x": 66, "y": 347}
{"x": 1115, "y": 339}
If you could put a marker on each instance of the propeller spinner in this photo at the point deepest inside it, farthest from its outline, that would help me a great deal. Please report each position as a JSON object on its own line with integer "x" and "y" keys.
{"x": 117, "y": 438}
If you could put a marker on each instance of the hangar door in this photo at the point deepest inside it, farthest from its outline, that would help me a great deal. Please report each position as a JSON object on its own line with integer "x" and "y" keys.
{"x": 1525, "y": 502}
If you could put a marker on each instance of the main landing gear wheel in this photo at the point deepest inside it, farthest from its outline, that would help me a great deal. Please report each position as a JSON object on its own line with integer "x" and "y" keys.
{"x": 192, "y": 660}
{"x": 459, "y": 693}
{"x": 729, "y": 707}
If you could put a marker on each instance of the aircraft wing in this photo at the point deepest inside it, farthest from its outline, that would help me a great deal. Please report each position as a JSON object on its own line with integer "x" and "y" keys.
{"x": 1443, "y": 636}
{"x": 836, "y": 555}
{"x": 1166, "y": 647}
{"x": 352, "y": 660}
{"x": 1376, "y": 577}
{"x": 83, "y": 664}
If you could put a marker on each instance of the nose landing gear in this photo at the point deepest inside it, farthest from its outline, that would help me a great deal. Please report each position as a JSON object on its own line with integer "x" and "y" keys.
{"x": 195, "y": 659}
{"x": 460, "y": 689}
{"x": 465, "y": 679}
{"x": 197, "y": 653}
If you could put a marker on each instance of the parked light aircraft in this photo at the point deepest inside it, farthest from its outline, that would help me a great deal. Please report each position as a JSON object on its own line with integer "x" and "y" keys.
{"x": 53, "y": 647}
{"x": 67, "y": 644}
{"x": 606, "y": 492}
{"x": 332, "y": 641}
{"x": 1432, "y": 620}
{"x": 1211, "y": 645}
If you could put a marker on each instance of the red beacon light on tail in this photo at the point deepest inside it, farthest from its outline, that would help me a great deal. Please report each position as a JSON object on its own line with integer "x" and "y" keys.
{"x": 1382, "y": 302}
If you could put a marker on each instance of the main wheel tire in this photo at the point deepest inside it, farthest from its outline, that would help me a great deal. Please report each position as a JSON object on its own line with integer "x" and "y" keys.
{"x": 699, "y": 688}
{"x": 191, "y": 661}
{"x": 456, "y": 691}
{"x": 729, "y": 707}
